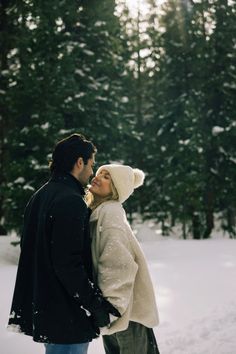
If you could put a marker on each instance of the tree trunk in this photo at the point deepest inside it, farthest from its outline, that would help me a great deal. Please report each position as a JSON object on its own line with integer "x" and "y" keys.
{"x": 184, "y": 229}
{"x": 196, "y": 225}
{"x": 231, "y": 222}
{"x": 3, "y": 107}
{"x": 209, "y": 214}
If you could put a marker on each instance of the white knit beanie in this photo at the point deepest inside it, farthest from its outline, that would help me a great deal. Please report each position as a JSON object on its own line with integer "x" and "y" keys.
{"x": 124, "y": 178}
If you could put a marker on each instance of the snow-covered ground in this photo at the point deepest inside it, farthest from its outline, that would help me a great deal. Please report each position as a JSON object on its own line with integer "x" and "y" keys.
{"x": 195, "y": 283}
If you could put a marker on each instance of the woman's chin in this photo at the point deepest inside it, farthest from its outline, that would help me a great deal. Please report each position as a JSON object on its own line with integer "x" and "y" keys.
{"x": 91, "y": 188}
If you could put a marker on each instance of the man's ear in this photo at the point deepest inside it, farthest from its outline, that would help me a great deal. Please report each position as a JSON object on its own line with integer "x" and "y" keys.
{"x": 80, "y": 162}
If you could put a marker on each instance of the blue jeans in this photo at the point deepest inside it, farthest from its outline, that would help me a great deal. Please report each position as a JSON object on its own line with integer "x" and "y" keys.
{"x": 67, "y": 348}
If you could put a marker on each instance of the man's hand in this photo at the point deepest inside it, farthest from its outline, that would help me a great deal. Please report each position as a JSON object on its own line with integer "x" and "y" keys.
{"x": 101, "y": 316}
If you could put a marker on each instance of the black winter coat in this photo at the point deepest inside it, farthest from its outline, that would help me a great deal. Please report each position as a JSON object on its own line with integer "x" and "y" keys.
{"x": 54, "y": 299}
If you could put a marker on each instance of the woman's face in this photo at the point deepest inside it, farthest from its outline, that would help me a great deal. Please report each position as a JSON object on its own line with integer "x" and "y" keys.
{"x": 101, "y": 184}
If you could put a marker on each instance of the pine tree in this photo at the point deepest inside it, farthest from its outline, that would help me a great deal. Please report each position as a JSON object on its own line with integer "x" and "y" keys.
{"x": 220, "y": 150}
{"x": 68, "y": 78}
{"x": 9, "y": 67}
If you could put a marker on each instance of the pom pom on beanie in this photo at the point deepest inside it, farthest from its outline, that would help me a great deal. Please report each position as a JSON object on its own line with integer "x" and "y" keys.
{"x": 138, "y": 177}
{"x": 124, "y": 178}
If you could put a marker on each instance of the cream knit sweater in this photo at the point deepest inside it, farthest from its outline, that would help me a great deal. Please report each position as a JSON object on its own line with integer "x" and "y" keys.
{"x": 120, "y": 268}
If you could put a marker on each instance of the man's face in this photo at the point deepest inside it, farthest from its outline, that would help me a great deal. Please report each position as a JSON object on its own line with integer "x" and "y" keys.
{"x": 87, "y": 171}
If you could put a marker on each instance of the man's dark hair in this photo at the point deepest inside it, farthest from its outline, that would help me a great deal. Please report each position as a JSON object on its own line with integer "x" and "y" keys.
{"x": 68, "y": 150}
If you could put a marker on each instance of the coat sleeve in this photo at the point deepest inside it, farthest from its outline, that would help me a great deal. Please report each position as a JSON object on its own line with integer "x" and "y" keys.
{"x": 67, "y": 252}
{"x": 116, "y": 267}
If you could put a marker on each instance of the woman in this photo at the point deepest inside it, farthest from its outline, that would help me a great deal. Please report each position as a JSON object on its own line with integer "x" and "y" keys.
{"x": 120, "y": 268}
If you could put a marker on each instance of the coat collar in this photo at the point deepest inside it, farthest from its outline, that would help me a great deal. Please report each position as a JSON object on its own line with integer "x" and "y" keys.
{"x": 96, "y": 212}
{"x": 68, "y": 180}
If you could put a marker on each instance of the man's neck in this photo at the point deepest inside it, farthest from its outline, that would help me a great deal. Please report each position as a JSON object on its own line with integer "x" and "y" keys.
{"x": 74, "y": 175}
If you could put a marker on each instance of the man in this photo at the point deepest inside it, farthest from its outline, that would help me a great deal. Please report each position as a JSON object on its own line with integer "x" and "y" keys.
{"x": 55, "y": 300}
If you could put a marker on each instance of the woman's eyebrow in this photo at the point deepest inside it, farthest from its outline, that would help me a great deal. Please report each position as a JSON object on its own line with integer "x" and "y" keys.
{"x": 106, "y": 173}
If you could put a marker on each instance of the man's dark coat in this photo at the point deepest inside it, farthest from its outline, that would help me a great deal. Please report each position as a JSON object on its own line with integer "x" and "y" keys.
{"x": 54, "y": 299}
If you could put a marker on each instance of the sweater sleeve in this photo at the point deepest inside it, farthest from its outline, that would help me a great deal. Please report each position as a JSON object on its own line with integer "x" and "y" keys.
{"x": 116, "y": 267}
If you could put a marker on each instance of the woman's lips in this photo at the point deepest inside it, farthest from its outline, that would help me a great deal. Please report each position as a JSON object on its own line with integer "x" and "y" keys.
{"x": 94, "y": 183}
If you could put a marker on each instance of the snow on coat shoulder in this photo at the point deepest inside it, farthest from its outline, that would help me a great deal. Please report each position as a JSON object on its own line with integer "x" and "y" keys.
{"x": 120, "y": 268}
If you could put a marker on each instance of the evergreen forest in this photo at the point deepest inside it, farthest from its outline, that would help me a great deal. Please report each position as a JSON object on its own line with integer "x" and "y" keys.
{"x": 155, "y": 89}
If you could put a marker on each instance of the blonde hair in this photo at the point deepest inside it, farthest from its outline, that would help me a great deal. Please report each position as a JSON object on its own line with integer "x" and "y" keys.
{"x": 93, "y": 204}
